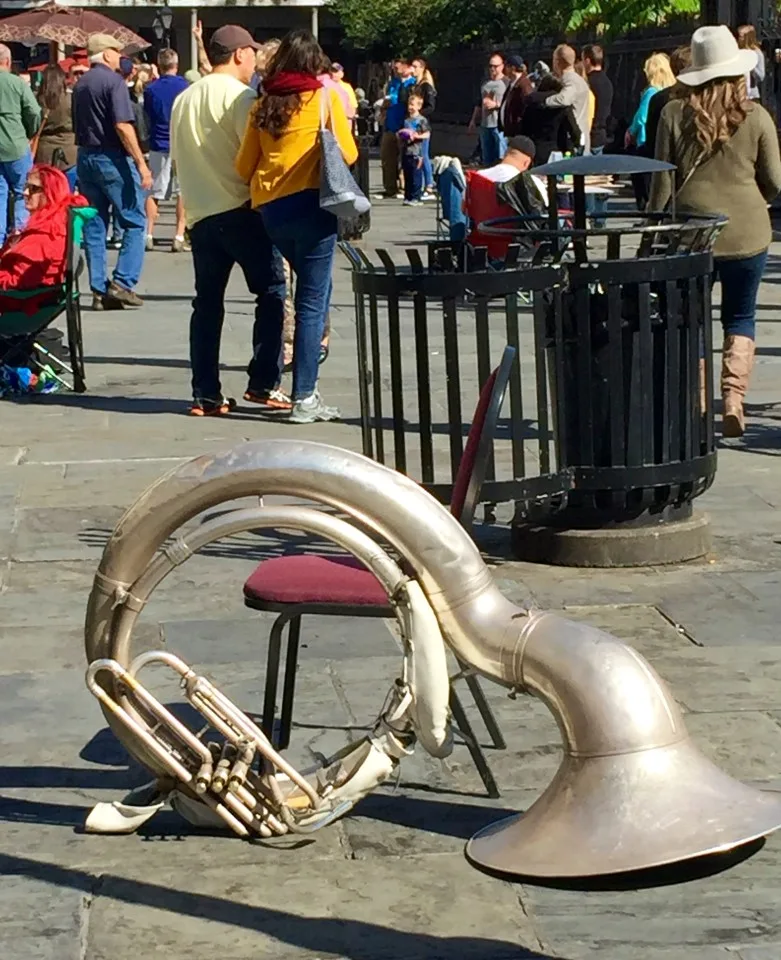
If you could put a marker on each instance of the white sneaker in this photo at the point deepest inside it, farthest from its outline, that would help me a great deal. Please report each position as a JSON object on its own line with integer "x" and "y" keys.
{"x": 312, "y": 409}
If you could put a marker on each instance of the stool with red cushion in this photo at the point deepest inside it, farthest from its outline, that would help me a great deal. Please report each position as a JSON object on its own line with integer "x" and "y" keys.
{"x": 293, "y": 586}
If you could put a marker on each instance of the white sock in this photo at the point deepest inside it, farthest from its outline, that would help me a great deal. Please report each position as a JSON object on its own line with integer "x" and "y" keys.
{"x": 179, "y": 237}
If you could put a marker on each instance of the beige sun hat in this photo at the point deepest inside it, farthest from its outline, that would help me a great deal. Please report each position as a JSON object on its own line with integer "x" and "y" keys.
{"x": 715, "y": 54}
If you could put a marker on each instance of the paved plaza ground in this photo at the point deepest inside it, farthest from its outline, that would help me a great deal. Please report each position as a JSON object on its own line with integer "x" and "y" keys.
{"x": 388, "y": 882}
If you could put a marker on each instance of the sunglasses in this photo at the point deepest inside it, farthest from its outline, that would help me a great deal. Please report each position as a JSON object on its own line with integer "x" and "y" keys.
{"x": 30, "y": 188}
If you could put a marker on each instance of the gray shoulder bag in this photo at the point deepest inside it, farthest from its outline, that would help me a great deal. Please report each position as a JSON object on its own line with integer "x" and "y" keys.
{"x": 339, "y": 193}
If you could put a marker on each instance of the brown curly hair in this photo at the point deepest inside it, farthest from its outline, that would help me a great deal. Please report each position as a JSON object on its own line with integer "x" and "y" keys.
{"x": 716, "y": 110}
{"x": 298, "y": 52}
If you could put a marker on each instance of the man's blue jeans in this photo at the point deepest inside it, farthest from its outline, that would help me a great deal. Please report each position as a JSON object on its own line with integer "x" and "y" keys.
{"x": 235, "y": 237}
{"x": 305, "y": 235}
{"x": 428, "y": 173}
{"x": 451, "y": 188}
{"x": 13, "y": 177}
{"x": 109, "y": 179}
{"x": 493, "y": 145}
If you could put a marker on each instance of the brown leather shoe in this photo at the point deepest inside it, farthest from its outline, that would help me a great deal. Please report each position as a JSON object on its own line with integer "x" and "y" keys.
{"x": 126, "y": 297}
{"x": 736, "y": 365}
{"x": 101, "y": 301}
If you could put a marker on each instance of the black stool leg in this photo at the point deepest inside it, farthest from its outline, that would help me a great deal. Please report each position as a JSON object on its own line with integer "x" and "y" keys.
{"x": 491, "y": 725}
{"x": 289, "y": 683}
{"x": 272, "y": 675}
{"x": 478, "y": 757}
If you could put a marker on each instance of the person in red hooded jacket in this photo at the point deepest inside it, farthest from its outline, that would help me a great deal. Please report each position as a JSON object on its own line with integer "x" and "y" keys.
{"x": 35, "y": 257}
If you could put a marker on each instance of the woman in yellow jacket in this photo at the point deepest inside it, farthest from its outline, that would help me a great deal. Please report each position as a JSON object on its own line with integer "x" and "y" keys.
{"x": 280, "y": 159}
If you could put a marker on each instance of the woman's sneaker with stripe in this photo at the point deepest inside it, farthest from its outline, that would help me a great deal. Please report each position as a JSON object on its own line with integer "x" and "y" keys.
{"x": 312, "y": 409}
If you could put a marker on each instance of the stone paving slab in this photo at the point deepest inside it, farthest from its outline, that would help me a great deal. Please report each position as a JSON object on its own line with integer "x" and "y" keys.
{"x": 396, "y": 908}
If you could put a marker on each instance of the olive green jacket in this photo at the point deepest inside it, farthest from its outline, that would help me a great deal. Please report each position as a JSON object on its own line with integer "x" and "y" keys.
{"x": 738, "y": 180}
{"x": 20, "y": 117}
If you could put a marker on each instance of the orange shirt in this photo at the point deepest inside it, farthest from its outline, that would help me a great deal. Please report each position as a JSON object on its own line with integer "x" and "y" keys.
{"x": 276, "y": 168}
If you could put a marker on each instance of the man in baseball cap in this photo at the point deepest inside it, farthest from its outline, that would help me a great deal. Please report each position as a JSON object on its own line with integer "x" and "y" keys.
{"x": 229, "y": 39}
{"x": 112, "y": 173}
{"x": 208, "y": 121}
{"x": 514, "y": 102}
{"x": 100, "y": 42}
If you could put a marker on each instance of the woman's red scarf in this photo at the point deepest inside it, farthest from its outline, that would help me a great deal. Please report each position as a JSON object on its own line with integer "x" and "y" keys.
{"x": 287, "y": 84}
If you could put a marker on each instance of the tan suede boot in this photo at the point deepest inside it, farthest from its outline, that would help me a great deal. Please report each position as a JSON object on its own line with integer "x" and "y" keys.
{"x": 736, "y": 365}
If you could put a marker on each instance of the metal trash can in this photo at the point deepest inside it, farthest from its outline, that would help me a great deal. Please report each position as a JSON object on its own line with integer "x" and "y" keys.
{"x": 607, "y": 441}
{"x": 356, "y": 228}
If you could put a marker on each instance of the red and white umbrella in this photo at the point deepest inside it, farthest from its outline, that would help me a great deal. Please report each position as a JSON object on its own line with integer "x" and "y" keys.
{"x": 70, "y": 26}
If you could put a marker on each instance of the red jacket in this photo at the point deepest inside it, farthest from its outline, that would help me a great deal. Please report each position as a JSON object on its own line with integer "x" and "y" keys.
{"x": 36, "y": 257}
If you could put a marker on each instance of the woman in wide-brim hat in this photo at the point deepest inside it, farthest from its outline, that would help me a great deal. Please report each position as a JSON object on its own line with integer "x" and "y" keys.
{"x": 726, "y": 150}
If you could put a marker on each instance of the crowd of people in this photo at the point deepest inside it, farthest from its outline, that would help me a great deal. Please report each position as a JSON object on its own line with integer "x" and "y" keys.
{"x": 699, "y": 109}
{"x": 237, "y": 143}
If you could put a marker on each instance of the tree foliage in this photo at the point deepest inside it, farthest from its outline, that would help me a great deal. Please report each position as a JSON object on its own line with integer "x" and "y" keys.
{"x": 412, "y": 26}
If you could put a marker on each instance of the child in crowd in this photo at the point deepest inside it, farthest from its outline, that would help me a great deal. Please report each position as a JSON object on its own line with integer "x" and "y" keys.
{"x": 416, "y": 129}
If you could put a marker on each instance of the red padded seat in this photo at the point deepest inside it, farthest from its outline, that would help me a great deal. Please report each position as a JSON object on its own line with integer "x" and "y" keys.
{"x": 314, "y": 579}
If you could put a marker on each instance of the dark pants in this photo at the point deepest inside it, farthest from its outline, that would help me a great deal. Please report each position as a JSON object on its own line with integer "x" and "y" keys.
{"x": 413, "y": 177}
{"x": 306, "y": 237}
{"x": 389, "y": 159}
{"x": 218, "y": 242}
{"x": 740, "y": 281}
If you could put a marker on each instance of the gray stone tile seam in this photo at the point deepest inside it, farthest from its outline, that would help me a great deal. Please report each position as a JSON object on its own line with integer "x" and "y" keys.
{"x": 527, "y": 909}
{"x": 678, "y": 627}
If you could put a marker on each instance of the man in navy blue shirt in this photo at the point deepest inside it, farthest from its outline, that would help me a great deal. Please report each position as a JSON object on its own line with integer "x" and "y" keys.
{"x": 159, "y": 99}
{"x": 112, "y": 172}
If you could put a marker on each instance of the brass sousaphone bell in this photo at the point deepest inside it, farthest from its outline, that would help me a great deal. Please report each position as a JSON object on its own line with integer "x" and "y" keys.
{"x": 632, "y": 792}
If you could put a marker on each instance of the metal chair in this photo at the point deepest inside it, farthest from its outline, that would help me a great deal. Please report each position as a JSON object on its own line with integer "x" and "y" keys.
{"x": 294, "y": 586}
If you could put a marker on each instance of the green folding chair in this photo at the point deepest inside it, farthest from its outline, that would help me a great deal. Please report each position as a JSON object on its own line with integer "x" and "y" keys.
{"x": 19, "y": 330}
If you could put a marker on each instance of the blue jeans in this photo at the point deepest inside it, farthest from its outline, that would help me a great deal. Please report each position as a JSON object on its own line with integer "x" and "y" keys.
{"x": 235, "y": 237}
{"x": 305, "y": 235}
{"x": 740, "y": 281}
{"x": 413, "y": 177}
{"x": 493, "y": 145}
{"x": 428, "y": 173}
{"x": 451, "y": 188}
{"x": 13, "y": 176}
{"x": 111, "y": 179}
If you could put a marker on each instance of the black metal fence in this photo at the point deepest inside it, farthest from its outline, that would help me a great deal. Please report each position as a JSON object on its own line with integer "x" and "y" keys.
{"x": 606, "y": 421}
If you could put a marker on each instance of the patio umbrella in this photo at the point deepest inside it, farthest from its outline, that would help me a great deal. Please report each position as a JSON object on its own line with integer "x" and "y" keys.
{"x": 70, "y": 26}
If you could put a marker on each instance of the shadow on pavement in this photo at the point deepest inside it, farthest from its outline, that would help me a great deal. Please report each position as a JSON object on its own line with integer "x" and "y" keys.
{"x": 352, "y": 939}
{"x": 459, "y": 820}
{"x": 172, "y": 362}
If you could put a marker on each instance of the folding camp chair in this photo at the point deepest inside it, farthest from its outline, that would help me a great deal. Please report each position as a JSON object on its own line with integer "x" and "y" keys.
{"x": 19, "y": 329}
